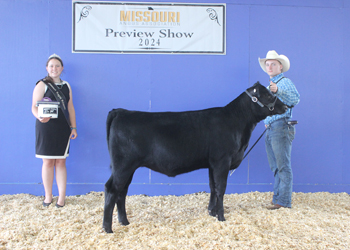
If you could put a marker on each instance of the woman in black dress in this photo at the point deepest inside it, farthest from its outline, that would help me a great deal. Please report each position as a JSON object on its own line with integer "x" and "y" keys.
{"x": 53, "y": 134}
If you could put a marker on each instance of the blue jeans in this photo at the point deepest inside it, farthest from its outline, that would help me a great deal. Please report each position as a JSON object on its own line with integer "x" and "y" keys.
{"x": 278, "y": 141}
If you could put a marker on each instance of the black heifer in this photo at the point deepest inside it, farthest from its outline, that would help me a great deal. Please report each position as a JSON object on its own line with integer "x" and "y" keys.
{"x": 174, "y": 143}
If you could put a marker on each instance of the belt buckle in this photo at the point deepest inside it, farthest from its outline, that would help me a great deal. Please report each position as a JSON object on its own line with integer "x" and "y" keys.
{"x": 293, "y": 122}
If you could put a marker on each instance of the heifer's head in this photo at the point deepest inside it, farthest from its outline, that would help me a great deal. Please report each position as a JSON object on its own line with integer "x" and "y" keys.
{"x": 268, "y": 103}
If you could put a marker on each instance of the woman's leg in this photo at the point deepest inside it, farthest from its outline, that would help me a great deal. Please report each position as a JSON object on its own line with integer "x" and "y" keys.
{"x": 61, "y": 179}
{"x": 47, "y": 174}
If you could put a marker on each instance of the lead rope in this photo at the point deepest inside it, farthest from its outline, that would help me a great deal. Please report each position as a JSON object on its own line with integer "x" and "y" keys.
{"x": 250, "y": 150}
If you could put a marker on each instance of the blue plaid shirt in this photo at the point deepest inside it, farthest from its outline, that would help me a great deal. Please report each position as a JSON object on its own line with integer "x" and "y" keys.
{"x": 287, "y": 93}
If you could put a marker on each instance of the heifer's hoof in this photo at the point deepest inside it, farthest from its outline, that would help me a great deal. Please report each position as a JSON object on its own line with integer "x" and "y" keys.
{"x": 221, "y": 218}
{"x": 212, "y": 213}
{"x": 124, "y": 222}
{"x": 108, "y": 230}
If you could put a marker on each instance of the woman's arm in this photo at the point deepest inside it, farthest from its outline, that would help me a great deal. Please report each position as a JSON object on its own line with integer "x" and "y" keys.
{"x": 38, "y": 95}
{"x": 72, "y": 118}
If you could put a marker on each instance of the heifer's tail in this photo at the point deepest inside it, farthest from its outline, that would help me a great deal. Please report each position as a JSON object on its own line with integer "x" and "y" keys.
{"x": 111, "y": 115}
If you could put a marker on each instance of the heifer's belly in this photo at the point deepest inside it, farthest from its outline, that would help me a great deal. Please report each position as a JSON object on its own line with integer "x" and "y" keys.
{"x": 175, "y": 165}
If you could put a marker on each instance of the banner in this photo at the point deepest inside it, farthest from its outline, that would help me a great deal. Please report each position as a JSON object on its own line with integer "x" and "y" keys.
{"x": 116, "y": 27}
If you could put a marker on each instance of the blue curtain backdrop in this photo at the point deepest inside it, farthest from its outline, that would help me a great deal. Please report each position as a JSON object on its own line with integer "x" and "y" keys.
{"x": 314, "y": 34}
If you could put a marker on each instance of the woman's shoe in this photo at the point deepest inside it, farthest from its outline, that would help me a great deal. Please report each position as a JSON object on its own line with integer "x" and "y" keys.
{"x": 46, "y": 204}
{"x": 59, "y": 206}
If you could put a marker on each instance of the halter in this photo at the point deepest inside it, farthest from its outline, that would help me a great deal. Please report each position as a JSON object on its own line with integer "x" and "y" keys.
{"x": 270, "y": 106}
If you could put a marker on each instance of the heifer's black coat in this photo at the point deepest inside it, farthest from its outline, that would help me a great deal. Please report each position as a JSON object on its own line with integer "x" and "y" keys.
{"x": 174, "y": 143}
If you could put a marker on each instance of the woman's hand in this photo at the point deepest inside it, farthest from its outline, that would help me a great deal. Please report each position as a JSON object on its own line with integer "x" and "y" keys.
{"x": 73, "y": 134}
{"x": 44, "y": 119}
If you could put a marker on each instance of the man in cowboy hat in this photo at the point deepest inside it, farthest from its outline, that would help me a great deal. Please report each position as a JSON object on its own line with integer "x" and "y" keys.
{"x": 280, "y": 130}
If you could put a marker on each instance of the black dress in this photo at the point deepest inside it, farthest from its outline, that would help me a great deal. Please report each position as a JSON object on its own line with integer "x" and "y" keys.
{"x": 52, "y": 138}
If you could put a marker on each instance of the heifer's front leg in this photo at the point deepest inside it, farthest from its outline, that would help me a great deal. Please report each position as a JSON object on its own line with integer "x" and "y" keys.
{"x": 212, "y": 200}
{"x": 220, "y": 206}
{"x": 110, "y": 199}
{"x": 220, "y": 188}
{"x": 219, "y": 176}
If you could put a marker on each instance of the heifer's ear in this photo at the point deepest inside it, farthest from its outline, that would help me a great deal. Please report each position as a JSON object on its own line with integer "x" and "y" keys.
{"x": 257, "y": 90}
{"x": 255, "y": 86}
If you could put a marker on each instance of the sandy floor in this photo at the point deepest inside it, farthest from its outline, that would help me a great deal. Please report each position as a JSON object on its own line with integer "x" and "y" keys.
{"x": 316, "y": 221}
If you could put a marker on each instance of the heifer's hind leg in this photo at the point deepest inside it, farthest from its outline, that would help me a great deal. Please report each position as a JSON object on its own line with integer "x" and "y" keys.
{"x": 123, "y": 220}
{"x": 115, "y": 193}
{"x": 110, "y": 199}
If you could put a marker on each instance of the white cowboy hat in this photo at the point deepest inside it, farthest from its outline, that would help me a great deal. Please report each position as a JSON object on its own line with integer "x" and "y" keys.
{"x": 272, "y": 55}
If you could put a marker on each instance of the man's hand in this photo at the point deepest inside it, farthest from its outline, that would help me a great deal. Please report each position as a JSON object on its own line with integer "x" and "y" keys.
{"x": 273, "y": 87}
